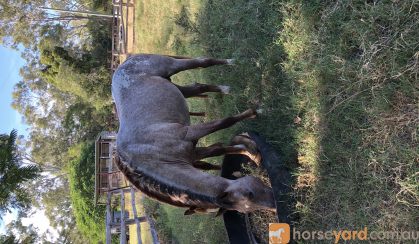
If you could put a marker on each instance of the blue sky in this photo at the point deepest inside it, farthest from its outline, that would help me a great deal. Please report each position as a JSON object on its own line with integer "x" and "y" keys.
{"x": 10, "y": 63}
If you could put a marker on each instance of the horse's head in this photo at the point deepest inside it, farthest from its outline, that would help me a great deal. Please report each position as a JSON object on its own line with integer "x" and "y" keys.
{"x": 247, "y": 194}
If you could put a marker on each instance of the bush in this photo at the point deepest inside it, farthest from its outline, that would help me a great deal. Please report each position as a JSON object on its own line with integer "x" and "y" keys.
{"x": 90, "y": 219}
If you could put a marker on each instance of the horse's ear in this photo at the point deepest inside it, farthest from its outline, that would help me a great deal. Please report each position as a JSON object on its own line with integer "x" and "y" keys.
{"x": 222, "y": 195}
{"x": 224, "y": 200}
{"x": 221, "y": 211}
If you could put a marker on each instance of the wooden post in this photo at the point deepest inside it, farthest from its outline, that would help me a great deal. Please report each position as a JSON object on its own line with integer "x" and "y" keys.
{"x": 137, "y": 222}
{"x": 113, "y": 38}
{"x": 134, "y": 220}
{"x": 153, "y": 231}
{"x": 108, "y": 219}
{"x": 121, "y": 16}
{"x": 133, "y": 22}
{"x": 123, "y": 239}
{"x": 87, "y": 13}
{"x": 126, "y": 27}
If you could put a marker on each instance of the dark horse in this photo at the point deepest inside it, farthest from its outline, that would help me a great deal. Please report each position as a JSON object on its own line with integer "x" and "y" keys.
{"x": 156, "y": 144}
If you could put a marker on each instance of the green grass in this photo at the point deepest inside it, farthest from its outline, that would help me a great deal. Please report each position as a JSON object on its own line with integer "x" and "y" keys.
{"x": 338, "y": 83}
{"x": 174, "y": 227}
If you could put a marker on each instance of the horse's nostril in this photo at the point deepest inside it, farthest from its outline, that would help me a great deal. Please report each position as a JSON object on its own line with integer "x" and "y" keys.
{"x": 250, "y": 195}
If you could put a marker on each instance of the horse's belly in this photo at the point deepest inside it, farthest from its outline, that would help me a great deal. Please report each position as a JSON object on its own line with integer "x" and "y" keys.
{"x": 152, "y": 101}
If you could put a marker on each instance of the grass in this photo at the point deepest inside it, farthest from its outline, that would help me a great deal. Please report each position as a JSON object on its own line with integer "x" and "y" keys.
{"x": 338, "y": 83}
{"x": 174, "y": 227}
{"x": 154, "y": 20}
{"x": 354, "y": 63}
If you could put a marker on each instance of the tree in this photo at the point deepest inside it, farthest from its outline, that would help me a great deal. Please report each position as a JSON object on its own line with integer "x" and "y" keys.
{"x": 57, "y": 205}
{"x": 13, "y": 175}
{"x": 23, "y": 22}
{"x": 8, "y": 239}
{"x": 24, "y": 234}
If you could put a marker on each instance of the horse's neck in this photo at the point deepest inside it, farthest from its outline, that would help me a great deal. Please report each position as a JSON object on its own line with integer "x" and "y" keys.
{"x": 177, "y": 183}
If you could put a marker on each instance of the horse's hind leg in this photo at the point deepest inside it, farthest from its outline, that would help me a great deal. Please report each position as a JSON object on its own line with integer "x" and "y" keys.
{"x": 205, "y": 166}
{"x": 166, "y": 66}
{"x": 185, "y": 64}
{"x": 218, "y": 150}
{"x": 198, "y": 89}
{"x": 202, "y": 114}
{"x": 195, "y": 132}
{"x": 178, "y": 57}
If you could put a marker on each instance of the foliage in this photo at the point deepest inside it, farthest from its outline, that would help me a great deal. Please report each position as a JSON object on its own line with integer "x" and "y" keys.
{"x": 27, "y": 234}
{"x": 8, "y": 239}
{"x": 89, "y": 218}
{"x": 24, "y": 23}
{"x": 13, "y": 176}
{"x": 65, "y": 86}
{"x": 61, "y": 215}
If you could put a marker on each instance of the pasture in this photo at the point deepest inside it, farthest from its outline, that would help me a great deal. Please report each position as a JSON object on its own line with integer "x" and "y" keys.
{"x": 338, "y": 85}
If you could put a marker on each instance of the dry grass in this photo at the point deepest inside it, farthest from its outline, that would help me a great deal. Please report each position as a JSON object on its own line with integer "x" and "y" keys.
{"x": 155, "y": 31}
{"x": 358, "y": 148}
{"x": 129, "y": 20}
{"x": 146, "y": 236}
{"x": 259, "y": 220}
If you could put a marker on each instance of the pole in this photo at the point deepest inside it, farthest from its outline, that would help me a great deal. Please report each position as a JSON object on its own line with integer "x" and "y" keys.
{"x": 88, "y": 13}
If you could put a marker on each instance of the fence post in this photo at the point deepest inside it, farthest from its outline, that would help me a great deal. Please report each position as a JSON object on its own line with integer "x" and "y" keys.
{"x": 123, "y": 239}
{"x": 108, "y": 218}
{"x": 137, "y": 222}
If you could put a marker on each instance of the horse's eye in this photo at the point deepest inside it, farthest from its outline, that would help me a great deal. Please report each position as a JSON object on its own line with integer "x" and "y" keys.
{"x": 250, "y": 195}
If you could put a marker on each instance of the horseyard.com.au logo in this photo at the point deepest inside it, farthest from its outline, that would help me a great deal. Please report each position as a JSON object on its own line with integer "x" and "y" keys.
{"x": 279, "y": 233}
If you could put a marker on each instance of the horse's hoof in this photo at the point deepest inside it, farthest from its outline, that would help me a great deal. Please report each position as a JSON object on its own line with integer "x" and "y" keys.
{"x": 251, "y": 148}
{"x": 237, "y": 174}
{"x": 231, "y": 61}
{"x": 224, "y": 89}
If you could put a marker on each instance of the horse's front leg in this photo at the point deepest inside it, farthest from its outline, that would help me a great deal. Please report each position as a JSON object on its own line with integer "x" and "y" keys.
{"x": 218, "y": 149}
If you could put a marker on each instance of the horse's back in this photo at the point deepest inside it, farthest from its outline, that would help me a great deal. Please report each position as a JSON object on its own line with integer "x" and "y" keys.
{"x": 145, "y": 100}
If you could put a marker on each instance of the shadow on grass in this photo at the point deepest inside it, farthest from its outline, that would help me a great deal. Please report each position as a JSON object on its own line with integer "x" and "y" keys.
{"x": 245, "y": 31}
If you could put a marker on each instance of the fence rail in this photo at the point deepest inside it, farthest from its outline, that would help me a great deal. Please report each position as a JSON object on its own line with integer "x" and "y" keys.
{"x": 121, "y": 10}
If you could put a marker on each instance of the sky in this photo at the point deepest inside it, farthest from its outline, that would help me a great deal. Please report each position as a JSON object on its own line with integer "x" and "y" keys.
{"x": 10, "y": 63}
